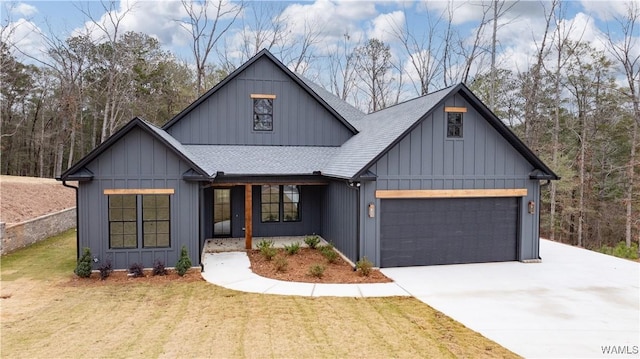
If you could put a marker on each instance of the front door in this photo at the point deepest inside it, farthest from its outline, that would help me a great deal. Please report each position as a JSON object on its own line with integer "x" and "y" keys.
{"x": 222, "y": 212}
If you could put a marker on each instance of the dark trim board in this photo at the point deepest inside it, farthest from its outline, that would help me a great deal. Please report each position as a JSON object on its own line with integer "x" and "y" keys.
{"x": 416, "y": 232}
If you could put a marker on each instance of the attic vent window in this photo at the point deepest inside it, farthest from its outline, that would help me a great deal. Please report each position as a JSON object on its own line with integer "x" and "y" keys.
{"x": 263, "y": 112}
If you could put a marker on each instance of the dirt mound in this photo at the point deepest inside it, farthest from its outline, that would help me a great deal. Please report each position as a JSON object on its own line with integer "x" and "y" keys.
{"x": 24, "y": 198}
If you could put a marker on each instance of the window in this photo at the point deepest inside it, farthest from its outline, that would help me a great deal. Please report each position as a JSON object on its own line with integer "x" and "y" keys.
{"x": 123, "y": 227}
{"x": 275, "y": 198}
{"x": 134, "y": 215}
{"x": 454, "y": 124}
{"x": 270, "y": 203}
{"x": 290, "y": 201}
{"x": 155, "y": 221}
{"x": 262, "y": 114}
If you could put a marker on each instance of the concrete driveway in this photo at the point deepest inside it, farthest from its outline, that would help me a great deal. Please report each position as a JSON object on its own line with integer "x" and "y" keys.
{"x": 575, "y": 304}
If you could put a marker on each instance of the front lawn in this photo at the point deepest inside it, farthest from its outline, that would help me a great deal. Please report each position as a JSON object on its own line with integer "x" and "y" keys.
{"x": 46, "y": 312}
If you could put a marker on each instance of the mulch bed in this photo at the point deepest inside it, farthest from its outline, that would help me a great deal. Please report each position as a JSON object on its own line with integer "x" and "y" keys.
{"x": 193, "y": 275}
{"x": 298, "y": 268}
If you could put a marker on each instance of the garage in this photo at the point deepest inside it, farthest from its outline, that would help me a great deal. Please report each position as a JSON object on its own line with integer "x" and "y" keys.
{"x": 415, "y": 232}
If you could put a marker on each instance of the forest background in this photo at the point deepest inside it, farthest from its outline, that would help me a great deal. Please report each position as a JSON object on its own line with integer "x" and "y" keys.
{"x": 565, "y": 76}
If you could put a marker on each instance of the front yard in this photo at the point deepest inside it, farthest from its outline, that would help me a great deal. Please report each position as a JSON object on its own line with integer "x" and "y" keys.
{"x": 46, "y": 312}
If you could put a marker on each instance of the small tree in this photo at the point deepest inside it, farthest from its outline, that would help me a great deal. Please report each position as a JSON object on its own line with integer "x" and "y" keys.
{"x": 184, "y": 263}
{"x": 83, "y": 269}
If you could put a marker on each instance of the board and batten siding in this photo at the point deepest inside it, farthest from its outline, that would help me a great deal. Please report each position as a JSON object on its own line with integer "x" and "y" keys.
{"x": 226, "y": 117}
{"x": 138, "y": 161}
{"x": 426, "y": 159}
{"x": 340, "y": 218}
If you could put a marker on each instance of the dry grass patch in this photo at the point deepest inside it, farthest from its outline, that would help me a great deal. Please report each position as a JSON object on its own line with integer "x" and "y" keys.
{"x": 53, "y": 316}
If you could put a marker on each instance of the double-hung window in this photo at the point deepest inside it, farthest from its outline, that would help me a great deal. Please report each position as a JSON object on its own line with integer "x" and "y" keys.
{"x": 139, "y": 220}
{"x": 280, "y": 203}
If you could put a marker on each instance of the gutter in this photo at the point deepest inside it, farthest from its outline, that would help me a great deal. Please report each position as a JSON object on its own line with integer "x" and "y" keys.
{"x": 75, "y": 188}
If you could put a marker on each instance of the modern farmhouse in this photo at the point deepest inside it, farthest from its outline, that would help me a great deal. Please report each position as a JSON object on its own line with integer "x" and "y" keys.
{"x": 438, "y": 179}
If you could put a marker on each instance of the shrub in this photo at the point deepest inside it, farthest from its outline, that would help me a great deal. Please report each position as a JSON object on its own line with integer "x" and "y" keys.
{"x": 312, "y": 241}
{"x": 329, "y": 254}
{"x": 292, "y": 248}
{"x": 264, "y": 244}
{"x": 621, "y": 250}
{"x": 83, "y": 269}
{"x": 281, "y": 264}
{"x": 105, "y": 269}
{"x": 266, "y": 249}
{"x": 316, "y": 270}
{"x": 364, "y": 266}
{"x": 158, "y": 268}
{"x": 184, "y": 263}
{"x": 136, "y": 270}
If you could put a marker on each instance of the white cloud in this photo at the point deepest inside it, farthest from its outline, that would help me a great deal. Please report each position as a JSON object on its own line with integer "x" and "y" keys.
{"x": 386, "y": 26}
{"x": 607, "y": 10}
{"x": 27, "y": 37}
{"x": 23, "y": 9}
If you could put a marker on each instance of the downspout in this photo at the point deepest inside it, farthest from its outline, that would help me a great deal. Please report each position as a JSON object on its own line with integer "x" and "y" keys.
{"x": 539, "y": 197}
{"x": 75, "y": 188}
{"x": 356, "y": 186}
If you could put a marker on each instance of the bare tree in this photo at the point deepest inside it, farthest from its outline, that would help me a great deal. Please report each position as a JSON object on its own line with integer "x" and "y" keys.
{"x": 532, "y": 81}
{"x": 208, "y": 21}
{"x": 373, "y": 64}
{"x": 628, "y": 56}
{"x": 424, "y": 51}
{"x": 564, "y": 50}
{"x": 498, "y": 11}
{"x": 471, "y": 53}
{"x": 342, "y": 66}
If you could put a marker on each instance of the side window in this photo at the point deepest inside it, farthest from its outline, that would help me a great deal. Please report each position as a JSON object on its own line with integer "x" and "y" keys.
{"x": 454, "y": 124}
{"x": 123, "y": 221}
{"x": 155, "y": 221}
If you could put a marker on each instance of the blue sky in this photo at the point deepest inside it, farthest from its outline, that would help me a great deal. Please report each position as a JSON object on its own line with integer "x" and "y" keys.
{"x": 519, "y": 33}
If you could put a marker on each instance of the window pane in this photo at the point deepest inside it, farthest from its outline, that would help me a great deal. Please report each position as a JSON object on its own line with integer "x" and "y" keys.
{"x": 129, "y": 228}
{"x": 128, "y": 201}
{"x": 162, "y": 227}
{"x": 162, "y": 240}
{"x": 116, "y": 228}
{"x": 129, "y": 214}
{"x": 130, "y": 241}
{"x": 115, "y": 214}
{"x": 163, "y": 214}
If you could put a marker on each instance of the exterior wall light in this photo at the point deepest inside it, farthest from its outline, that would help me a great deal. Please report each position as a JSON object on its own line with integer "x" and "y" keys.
{"x": 371, "y": 210}
{"x": 532, "y": 207}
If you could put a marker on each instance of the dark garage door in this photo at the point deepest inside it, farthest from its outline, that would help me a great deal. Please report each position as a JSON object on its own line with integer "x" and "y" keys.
{"x": 447, "y": 231}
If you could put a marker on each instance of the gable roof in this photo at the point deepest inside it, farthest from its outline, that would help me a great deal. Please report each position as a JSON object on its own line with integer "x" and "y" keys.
{"x": 262, "y": 54}
{"x": 344, "y": 108}
{"x": 381, "y": 130}
{"x": 78, "y": 172}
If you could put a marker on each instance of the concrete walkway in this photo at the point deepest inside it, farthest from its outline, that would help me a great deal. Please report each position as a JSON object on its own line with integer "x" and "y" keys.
{"x": 575, "y": 304}
{"x": 232, "y": 270}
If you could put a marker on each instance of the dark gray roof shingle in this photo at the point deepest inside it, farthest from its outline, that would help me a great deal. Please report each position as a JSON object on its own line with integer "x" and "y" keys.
{"x": 261, "y": 160}
{"x": 378, "y": 131}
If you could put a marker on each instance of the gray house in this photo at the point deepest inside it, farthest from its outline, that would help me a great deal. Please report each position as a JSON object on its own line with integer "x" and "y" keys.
{"x": 434, "y": 180}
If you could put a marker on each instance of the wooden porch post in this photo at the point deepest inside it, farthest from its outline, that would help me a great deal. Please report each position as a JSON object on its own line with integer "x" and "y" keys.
{"x": 248, "y": 220}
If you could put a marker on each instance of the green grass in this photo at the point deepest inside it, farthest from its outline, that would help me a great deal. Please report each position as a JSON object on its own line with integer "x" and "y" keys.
{"x": 44, "y": 260}
{"x": 46, "y": 312}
